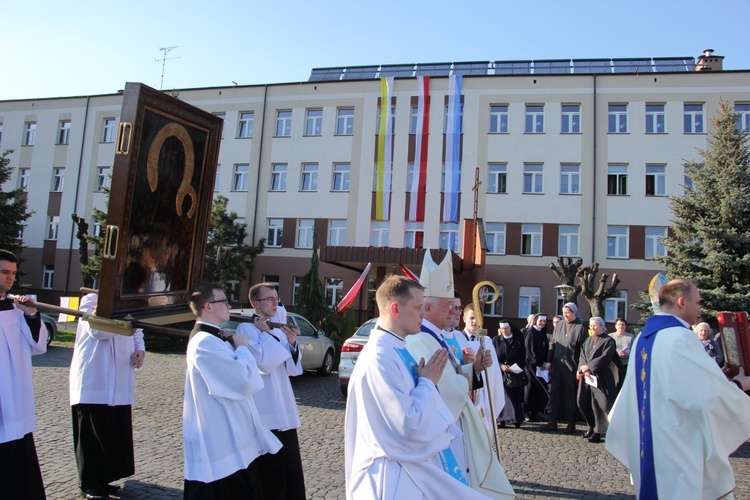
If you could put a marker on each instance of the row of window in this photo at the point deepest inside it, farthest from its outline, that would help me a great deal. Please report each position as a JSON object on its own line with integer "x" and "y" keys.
{"x": 308, "y": 177}
{"x": 495, "y": 232}
{"x": 103, "y": 179}
{"x": 109, "y": 126}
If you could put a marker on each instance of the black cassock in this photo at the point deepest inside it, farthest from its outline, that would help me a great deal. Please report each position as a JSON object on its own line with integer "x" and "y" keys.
{"x": 599, "y": 353}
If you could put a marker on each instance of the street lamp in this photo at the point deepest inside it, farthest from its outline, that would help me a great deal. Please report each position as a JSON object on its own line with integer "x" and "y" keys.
{"x": 563, "y": 290}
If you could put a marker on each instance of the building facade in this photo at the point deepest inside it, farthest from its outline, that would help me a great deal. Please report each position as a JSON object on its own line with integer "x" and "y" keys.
{"x": 555, "y": 158}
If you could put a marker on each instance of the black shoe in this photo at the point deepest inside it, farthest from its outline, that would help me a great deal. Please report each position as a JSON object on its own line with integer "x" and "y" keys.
{"x": 501, "y": 425}
{"x": 95, "y": 493}
{"x": 570, "y": 429}
{"x": 588, "y": 433}
{"x": 533, "y": 417}
{"x": 517, "y": 424}
{"x": 595, "y": 438}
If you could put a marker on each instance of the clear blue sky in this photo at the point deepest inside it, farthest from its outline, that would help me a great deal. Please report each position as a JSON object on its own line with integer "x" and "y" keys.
{"x": 52, "y": 48}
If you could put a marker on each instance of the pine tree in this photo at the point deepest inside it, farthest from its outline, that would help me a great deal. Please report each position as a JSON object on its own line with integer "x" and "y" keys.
{"x": 228, "y": 258}
{"x": 312, "y": 295}
{"x": 15, "y": 212}
{"x": 710, "y": 245}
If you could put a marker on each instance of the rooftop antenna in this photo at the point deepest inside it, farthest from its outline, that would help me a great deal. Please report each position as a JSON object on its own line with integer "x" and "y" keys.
{"x": 164, "y": 60}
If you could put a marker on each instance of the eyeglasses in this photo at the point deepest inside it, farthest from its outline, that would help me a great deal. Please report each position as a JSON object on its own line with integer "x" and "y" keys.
{"x": 225, "y": 301}
{"x": 271, "y": 299}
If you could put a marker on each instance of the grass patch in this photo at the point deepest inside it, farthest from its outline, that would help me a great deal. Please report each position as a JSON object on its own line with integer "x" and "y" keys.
{"x": 65, "y": 338}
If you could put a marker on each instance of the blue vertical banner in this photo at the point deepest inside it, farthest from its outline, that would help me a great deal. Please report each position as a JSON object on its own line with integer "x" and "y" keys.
{"x": 452, "y": 150}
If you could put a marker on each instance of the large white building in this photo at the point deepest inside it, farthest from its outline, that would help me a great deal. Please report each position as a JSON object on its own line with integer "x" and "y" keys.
{"x": 575, "y": 158}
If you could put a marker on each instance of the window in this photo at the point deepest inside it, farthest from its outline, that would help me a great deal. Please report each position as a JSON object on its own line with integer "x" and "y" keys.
{"x": 414, "y": 235}
{"x": 413, "y": 120}
{"x": 497, "y": 181}
{"x": 58, "y": 180}
{"x": 532, "y": 178}
{"x": 560, "y": 301}
{"x": 693, "y": 120}
{"x": 48, "y": 277}
{"x": 240, "y": 177}
{"x": 499, "y": 119}
{"x": 494, "y": 308}
{"x": 223, "y": 116}
{"x": 337, "y": 233}
{"x": 275, "y": 232}
{"x": 305, "y": 229}
{"x": 278, "y": 177}
{"x": 393, "y": 120}
{"x": 449, "y": 236}
{"x": 29, "y": 137}
{"x": 616, "y": 306}
{"x": 617, "y": 242}
{"x": 495, "y": 233}
{"x": 568, "y": 241}
{"x": 617, "y": 180}
{"x": 1, "y": 133}
{"x": 528, "y": 300}
{"x": 24, "y": 175}
{"x": 570, "y": 178}
{"x": 618, "y": 119}
{"x": 295, "y": 293}
{"x": 460, "y": 121}
{"x": 687, "y": 180}
{"x": 53, "y": 224}
{"x": 742, "y": 110}
{"x": 334, "y": 291}
{"x": 345, "y": 121}
{"x": 96, "y": 229}
{"x": 21, "y": 229}
{"x": 341, "y": 176}
{"x": 245, "y": 125}
{"x": 103, "y": 179}
{"x": 571, "y": 119}
{"x": 63, "y": 135}
{"x": 284, "y": 123}
{"x": 531, "y": 239}
{"x": 272, "y": 279}
{"x": 379, "y": 235}
{"x": 217, "y": 177}
{"x": 654, "y": 242}
{"x": 309, "y": 181}
{"x": 655, "y": 119}
{"x": 534, "y": 119}
{"x": 314, "y": 122}
{"x": 108, "y": 130}
{"x": 656, "y": 180}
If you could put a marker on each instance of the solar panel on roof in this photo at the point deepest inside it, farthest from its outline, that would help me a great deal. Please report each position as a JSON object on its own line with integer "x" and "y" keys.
{"x": 475, "y": 68}
{"x": 442, "y": 69}
{"x": 397, "y": 70}
{"x": 642, "y": 65}
{"x": 360, "y": 72}
{"x": 551, "y": 67}
{"x": 325, "y": 74}
{"x": 512, "y": 67}
{"x": 666, "y": 64}
{"x": 592, "y": 66}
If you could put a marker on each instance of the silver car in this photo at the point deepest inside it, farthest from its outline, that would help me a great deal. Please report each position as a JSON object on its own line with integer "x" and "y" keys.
{"x": 350, "y": 352}
{"x": 318, "y": 351}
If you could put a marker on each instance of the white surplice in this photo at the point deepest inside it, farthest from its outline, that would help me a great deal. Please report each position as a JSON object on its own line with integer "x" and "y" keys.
{"x": 222, "y": 429}
{"x": 395, "y": 430}
{"x": 101, "y": 371}
{"x": 472, "y": 448}
{"x": 273, "y": 354}
{"x": 698, "y": 418}
{"x": 16, "y": 385}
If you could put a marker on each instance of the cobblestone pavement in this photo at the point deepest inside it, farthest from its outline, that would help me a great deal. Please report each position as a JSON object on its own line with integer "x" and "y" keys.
{"x": 538, "y": 464}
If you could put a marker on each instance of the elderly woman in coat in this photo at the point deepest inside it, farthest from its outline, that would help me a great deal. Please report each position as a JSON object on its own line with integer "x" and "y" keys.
{"x": 599, "y": 375}
{"x": 711, "y": 345}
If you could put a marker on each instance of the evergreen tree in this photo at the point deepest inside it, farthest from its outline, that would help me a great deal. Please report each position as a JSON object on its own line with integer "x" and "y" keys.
{"x": 312, "y": 295}
{"x": 228, "y": 258}
{"x": 15, "y": 212}
{"x": 90, "y": 271}
{"x": 710, "y": 245}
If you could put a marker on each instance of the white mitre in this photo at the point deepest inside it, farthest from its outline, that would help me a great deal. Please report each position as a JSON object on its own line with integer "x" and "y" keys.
{"x": 437, "y": 279}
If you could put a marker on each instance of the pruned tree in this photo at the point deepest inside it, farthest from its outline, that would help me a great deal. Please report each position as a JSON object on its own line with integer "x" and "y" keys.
{"x": 228, "y": 257}
{"x": 566, "y": 271}
{"x": 596, "y": 291}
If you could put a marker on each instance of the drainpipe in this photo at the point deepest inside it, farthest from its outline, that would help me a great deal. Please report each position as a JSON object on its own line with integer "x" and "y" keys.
{"x": 260, "y": 162}
{"x": 75, "y": 200}
{"x": 593, "y": 193}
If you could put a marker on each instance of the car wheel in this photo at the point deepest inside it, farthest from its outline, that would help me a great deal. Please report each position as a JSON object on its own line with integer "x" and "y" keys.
{"x": 327, "y": 367}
